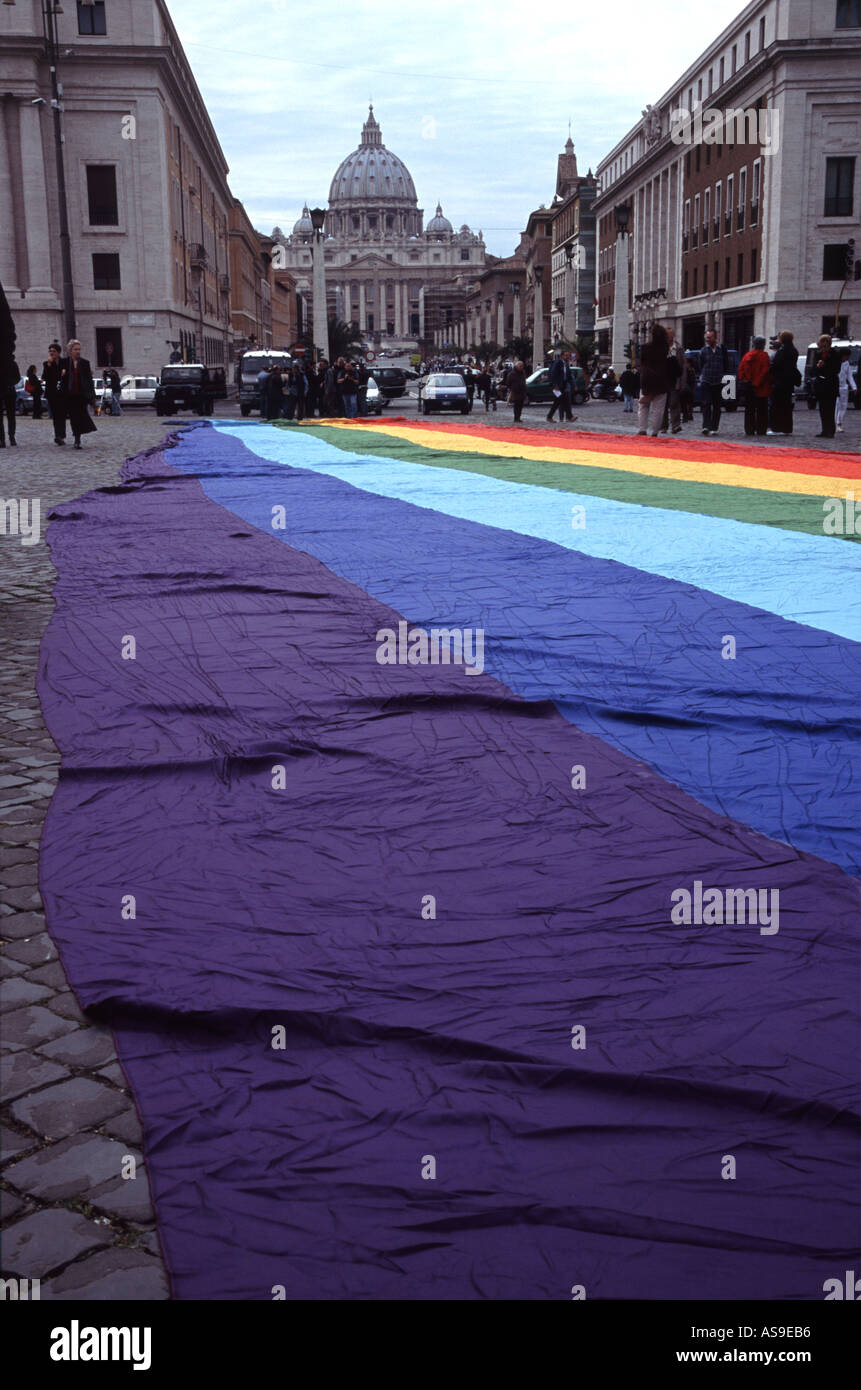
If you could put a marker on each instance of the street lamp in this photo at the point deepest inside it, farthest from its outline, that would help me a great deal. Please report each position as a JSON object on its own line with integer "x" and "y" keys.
{"x": 321, "y": 317}
{"x": 620, "y": 296}
{"x": 538, "y": 320}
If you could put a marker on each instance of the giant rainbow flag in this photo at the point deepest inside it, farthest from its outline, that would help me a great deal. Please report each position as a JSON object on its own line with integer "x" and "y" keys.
{"x": 531, "y": 979}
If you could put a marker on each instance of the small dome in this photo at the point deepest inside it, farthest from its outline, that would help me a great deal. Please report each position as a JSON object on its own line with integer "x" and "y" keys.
{"x": 304, "y": 227}
{"x": 438, "y": 223}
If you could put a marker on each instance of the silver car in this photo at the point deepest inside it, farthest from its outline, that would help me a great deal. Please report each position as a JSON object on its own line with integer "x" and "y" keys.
{"x": 443, "y": 391}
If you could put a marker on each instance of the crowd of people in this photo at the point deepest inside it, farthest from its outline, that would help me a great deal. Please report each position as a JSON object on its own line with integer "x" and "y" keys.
{"x": 336, "y": 390}
{"x": 67, "y": 387}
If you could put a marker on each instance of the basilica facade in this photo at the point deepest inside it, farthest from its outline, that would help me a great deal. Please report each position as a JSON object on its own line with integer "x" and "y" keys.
{"x": 380, "y": 259}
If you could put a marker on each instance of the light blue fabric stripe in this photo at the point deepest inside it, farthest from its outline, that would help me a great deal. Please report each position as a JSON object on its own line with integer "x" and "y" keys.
{"x": 805, "y": 579}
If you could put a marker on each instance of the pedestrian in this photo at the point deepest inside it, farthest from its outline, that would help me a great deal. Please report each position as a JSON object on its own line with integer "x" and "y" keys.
{"x": 630, "y": 384}
{"x": 755, "y": 369}
{"x": 673, "y": 409}
{"x": 845, "y": 383}
{"x": 53, "y": 395}
{"x": 686, "y": 394}
{"x": 826, "y": 384}
{"x": 714, "y": 365}
{"x": 8, "y": 384}
{"x": 469, "y": 383}
{"x": 659, "y": 370}
{"x": 516, "y": 386}
{"x": 79, "y": 391}
{"x": 273, "y": 392}
{"x": 33, "y": 387}
{"x": 484, "y": 384}
{"x": 331, "y": 400}
{"x": 348, "y": 385}
{"x": 558, "y": 382}
{"x": 262, "y": 379}
{"x": 362, "y": 375}
{"x": 785, "y": 376}
{"x": 113, "y": 380}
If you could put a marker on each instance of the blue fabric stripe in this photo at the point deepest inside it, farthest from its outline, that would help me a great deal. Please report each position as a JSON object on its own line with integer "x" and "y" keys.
{"x": 632, "y": 657}
{"x": 808, "y": 579}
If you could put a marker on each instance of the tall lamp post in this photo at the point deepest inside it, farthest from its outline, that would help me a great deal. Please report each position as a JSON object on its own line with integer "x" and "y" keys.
{"x": 50, "y": 10}
{"x": 321, "y": 317}
{"x": 538, "y": 321}
{"x": 620, "y": 297}
{"x": 569, "y": 317}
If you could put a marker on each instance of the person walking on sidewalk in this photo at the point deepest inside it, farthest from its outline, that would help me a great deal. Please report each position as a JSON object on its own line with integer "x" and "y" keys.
{"x": 559, "y": 375}
{"x": 658, "y": 373}
{"x": 845, "y": 383}
{"x": 630, "y": 384}
{"x": 112, "y": 382}
{"x": 515, "y": 384}
{"x": 714, "y": 365}
{"x": 79, "y": 391}
{"x": 53, "y": 395}
{"x": 673, "y": 410}
{"x": 755, "y": 369}
{"x": 826, "y": 383}
{"x": 785, "y": 376}
{"x": 33, "y": 387}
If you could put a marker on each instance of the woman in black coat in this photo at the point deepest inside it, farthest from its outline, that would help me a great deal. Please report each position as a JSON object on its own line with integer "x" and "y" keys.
{"x": 826, "y": 371}
{"x": 784, "y": 379}
{"x": 78, "y": 391}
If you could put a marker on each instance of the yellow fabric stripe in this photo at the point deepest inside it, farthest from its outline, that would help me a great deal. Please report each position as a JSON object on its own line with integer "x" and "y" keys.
{"x": 686, "y": 471}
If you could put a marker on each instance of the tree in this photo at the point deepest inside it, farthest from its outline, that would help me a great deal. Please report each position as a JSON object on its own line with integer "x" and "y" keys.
{"x": 520, "y": 348}
{"x": 485, "y": 352}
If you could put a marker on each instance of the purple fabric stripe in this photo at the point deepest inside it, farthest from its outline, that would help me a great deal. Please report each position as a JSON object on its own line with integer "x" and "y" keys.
{"x": 407, "y": 1038}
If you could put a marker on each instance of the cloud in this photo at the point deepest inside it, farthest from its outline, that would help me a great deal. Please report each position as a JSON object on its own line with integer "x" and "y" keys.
{"x": 288, "y": 90}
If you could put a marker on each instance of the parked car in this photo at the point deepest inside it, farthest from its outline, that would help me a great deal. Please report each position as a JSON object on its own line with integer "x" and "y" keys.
{"x": 23, "y": 399}
{"x": 806, "y": 391}
{"x": 443, "y": 391}
{"x": 732, "y": 396}
{"x": 391, "y": 381}
{"x": 374, "y": 398}
{"x": 540, "y": 392}
{"x": 184, "y": 386}
{"x": 134, "y": 390}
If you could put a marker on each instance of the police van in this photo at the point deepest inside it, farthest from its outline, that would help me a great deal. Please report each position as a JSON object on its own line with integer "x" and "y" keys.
{"x": 248, "y": 369}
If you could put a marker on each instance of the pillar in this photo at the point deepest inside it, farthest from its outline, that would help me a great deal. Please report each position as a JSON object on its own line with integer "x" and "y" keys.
{"x": 620, "y": 304}
{"x": 363, "y": 308}
{"x": 500, "y": 317}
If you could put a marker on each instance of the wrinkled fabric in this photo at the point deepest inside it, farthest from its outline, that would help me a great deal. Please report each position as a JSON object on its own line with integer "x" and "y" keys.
{"x": 428, "y": 1129}
{"x": 769, "y": 737}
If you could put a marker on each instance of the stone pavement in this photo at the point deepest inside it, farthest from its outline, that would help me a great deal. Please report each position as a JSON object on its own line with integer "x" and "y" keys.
{"x": 68, "y": 1217}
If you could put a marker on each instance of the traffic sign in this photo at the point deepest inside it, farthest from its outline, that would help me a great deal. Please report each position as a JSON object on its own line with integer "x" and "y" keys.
{"x": 370, "y": 356}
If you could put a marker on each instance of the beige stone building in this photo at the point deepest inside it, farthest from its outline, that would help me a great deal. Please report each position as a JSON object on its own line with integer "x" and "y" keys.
{"x": 146, "y": 187}
{"x": 746, "y": 232}
{"x": 379, "y": 256}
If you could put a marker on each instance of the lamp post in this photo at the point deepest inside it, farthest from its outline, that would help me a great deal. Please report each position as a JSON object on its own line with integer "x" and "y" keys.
{"x": 500, "y": 317}
{"x": 321, "y": 317}
{"x": 620, "y": 296}
{"x": 515, "y": 294}
{"x": 538, "y": 321}
{"x": 50, "y": 10}
{"x": 569, "y": 317}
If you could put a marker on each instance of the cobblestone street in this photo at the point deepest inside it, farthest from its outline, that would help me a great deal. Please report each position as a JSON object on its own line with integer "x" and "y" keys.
{"x": 69, "y": 1219}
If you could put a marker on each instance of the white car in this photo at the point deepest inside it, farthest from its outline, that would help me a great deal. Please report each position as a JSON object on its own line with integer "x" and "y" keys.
{"x": 136, "y": 390}
{"x": 443, "y": 391}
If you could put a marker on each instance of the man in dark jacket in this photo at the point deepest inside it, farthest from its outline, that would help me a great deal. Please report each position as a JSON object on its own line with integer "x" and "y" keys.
{"x": 516, "y": 385}
{"x": 53, "y": 395}
{"x": 826, "y": 373}
{"x": 79, "y": 391}
{"x": 714, "y": 365}
{"x": 784, "y": 378}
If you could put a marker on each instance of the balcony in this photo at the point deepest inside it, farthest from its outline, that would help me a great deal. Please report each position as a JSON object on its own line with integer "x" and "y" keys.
{"x": 198, "y": 257}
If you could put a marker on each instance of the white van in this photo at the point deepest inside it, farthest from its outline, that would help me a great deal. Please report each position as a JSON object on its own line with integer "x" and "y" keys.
{"x": 806, "y": 391}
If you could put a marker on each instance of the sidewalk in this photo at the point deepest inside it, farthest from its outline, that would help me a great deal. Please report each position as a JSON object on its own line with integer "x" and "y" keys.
{"x": 67, "y": 1120}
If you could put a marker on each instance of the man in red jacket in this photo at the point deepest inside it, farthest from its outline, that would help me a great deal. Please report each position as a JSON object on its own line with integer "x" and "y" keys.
{"x": 755, "y": 369}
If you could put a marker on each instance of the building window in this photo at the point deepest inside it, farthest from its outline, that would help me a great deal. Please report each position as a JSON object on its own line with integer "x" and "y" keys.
{"x": 755, "y": 192}
{"x": 741, "y": 267}
{"x": 91, "y": 18}
{"x": 742, "y": 196}
{"x": 102, "y": 195}
{"x": 839, "y": 179}
{"x": 711, "y": 80}
{"x": 753, "y": 263}
{"x": 727, "y": 274}
{"x": 695, "y": 231}
{"x": 716, "y": 284}
{"x": 696, "y": 277}
{"x": 734, "y": 57}
{"x": 716, "y": 228}
{"x": 707, "y": 213}
{"x": 109, "y": 347}
{"x": 762, "y": 34}
{"x": 747, "y": 47}
{"x": 106, "y": 272}
{"x": 705, "y": 279}
{"x": 837, "y": 328}
{"x": 727, "y": 221}
{"x": 721, "y": 71}
{"x": 685, "y": 289}
{"x": 686, "y": 229}
{"x": 849, "y": 14}
{"x": 834, "y": 261}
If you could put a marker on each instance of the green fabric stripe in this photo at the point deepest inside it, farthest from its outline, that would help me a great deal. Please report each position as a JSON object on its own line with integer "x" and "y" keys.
{"x": 788, "y": 511}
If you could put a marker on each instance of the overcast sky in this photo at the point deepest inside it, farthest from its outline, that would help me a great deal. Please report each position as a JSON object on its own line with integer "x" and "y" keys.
{"x": 475, "y": 99}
